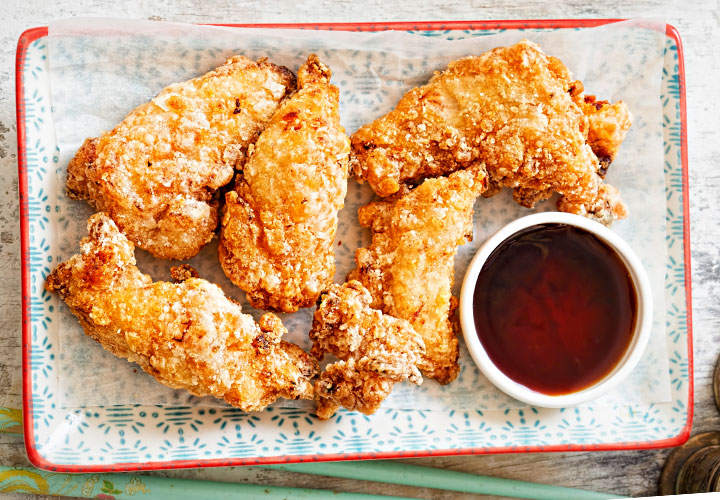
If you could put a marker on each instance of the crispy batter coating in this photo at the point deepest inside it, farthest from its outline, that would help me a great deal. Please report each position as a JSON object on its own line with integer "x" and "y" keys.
{"x": 188, "y": 334}
{"x": 609, "y": 124}
{"x": 279, "y": 223}
{"x": 514, "y": 109}
{"x": 408, "y": 267}
{"x": 157, "y": 172}
{"x": 376, "y": 351}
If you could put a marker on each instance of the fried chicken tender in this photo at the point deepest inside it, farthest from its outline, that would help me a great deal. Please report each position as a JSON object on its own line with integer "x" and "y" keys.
{"x": 408, "y": 267}
{"x": 157, "y": 172}
{"x": 279, "y": 223}
{"x": 188, "y": 335}
{"x": 514, "y": 109}
{"x": 376, "y": 351}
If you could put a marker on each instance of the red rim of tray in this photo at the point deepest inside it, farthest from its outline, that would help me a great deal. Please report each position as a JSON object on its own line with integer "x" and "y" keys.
{"x": 34, "y": 33}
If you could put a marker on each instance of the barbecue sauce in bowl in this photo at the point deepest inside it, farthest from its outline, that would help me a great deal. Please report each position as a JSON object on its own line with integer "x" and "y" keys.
{"x": 555, "y": 308}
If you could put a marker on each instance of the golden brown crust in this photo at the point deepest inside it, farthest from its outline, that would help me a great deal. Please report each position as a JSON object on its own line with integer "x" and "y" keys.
{"x": 409, "y": 266}
{"x": 188, "y": 335}
{"x": 77, "y": 184}
{"x": 514, "y": 109}
{"x": 609, "y": 124}
{"x": 183, "y": 272}
{"x": 279, "y": 222}
{"x": 156, "y": 173}
{"x": 376, "y": 351}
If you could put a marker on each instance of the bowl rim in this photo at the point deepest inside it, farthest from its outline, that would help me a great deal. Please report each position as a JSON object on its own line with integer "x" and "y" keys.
{"x": 643, "y": 323}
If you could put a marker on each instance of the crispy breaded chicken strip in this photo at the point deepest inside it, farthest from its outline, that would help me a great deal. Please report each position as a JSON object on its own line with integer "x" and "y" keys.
{"x": 188, "y": 335}
{"x": 408, "y": 267}
{"x": 279, "y": 223}
{"x": 376, "y": 351}
{"x": 157, "y": 172}
{"x": 514, "y": 109}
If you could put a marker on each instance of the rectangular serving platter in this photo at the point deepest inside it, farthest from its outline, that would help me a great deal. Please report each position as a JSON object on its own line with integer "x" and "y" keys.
{"x": 141, "y": 437}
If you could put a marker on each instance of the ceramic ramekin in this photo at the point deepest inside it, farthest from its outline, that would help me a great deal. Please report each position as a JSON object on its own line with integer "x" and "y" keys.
{"x": 643, "y": 321}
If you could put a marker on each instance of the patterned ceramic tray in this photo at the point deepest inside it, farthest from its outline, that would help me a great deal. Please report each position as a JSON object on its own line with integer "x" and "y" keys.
{"x": 153, "y": 437}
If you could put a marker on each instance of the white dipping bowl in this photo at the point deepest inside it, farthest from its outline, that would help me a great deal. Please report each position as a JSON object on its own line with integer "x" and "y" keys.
{"x": 643, "y": 319}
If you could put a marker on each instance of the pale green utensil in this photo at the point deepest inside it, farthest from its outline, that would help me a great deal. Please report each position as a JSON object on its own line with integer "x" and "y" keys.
{"x": 384, "y": 471}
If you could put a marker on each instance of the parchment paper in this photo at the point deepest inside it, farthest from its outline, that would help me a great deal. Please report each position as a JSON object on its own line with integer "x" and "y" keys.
{"x": 100, "y": 69}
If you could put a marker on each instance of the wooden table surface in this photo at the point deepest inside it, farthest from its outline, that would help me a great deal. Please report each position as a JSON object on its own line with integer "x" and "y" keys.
{"x": 633, "y": 473}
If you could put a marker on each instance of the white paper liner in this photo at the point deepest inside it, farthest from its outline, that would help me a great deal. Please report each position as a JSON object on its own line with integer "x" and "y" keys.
{"x": 100, "y": 69}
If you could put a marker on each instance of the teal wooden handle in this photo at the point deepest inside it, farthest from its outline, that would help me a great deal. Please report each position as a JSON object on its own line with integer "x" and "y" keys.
{"x": 385, "y": 471}
{"x": 135, "y": 487}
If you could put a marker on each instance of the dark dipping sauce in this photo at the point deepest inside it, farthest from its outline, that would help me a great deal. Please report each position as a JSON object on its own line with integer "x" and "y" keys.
{"x": 555, "y": 308}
